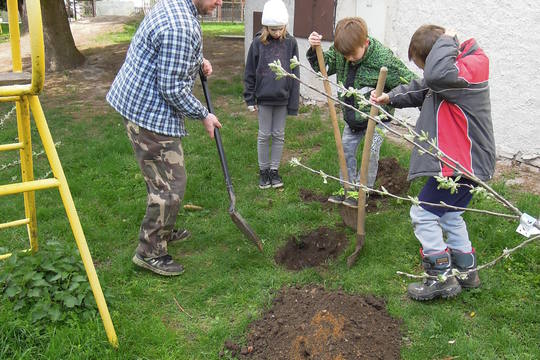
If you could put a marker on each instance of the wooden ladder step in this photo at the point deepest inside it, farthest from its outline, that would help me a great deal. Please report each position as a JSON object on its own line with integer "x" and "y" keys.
{"x": 15, "y": 78}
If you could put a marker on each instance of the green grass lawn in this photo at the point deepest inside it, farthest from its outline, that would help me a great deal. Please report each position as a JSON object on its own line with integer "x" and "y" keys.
{"x": 227, "y": 283}
{"x": 215, "y": 29}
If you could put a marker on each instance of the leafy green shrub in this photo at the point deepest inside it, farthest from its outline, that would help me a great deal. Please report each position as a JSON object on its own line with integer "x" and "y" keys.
{"x": 50, "y": 285}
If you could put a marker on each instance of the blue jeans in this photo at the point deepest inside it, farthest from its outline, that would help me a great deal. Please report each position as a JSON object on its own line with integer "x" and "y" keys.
{"x": 350, "y": 141}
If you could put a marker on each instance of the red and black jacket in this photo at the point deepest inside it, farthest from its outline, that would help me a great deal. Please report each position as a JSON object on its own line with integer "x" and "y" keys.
{"x": 455, "y": 109}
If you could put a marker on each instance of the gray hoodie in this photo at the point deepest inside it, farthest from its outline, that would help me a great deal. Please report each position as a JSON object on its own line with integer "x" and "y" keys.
{"x": 456, "y": 109}
{"x": 260, "y": 84}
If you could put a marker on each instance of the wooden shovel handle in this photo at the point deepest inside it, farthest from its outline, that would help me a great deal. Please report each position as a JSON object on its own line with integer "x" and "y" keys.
{"x": 333, "y": 117}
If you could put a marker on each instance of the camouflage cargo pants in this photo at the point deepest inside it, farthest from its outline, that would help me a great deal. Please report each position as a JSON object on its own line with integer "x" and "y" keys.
{"x": 161, "y": 160}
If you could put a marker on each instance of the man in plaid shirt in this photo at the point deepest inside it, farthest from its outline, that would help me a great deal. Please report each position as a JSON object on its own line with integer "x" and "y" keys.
{"x": 153, "y": 92}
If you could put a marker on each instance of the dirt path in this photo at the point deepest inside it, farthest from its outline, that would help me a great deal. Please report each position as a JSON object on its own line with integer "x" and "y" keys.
{"x": 84, "y": 33}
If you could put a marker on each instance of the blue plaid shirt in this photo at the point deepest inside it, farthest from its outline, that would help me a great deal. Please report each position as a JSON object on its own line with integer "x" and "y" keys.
{"x": 154, "y": 86}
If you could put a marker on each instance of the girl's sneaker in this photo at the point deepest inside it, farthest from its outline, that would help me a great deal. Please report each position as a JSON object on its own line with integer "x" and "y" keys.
{"x": 264, "y": 179}
{"x": 275, "y": 179}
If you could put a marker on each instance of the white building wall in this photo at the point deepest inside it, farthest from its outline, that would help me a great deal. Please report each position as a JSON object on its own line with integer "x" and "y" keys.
{"x": 507, "y": 30}
{"x": 115, "y": 7}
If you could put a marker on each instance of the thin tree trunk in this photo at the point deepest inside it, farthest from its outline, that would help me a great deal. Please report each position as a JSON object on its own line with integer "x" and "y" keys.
{"x": 60, "y": 50}
{"x": 21, "y": 5}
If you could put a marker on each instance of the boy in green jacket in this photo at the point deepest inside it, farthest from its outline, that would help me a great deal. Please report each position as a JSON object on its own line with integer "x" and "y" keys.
{"x": 356, "y": 59}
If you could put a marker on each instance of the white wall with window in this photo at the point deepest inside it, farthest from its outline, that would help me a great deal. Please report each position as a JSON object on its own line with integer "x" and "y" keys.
{"x": 507, "y": 30}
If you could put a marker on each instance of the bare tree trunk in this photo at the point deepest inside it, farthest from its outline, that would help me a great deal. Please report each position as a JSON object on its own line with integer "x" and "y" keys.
{"x": 21, "y": 5}
{"x": 60, "y": 50}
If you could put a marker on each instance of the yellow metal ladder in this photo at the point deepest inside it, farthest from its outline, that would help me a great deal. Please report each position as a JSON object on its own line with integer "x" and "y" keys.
{"x": 23, "y": 89}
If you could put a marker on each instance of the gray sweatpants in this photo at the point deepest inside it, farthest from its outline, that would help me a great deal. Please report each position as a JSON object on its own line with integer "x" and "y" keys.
{"x": 161, "y": 160}
{"x": 436, "y": 233}
{"x": 271, "y": 126}
{"x": 350, "y": 142}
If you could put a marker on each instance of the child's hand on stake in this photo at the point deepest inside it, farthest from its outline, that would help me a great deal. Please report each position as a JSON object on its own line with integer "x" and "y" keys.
{"x": 381, "y": 100}
{"x": 252, "y": 108}
{"x": 314, "y": 39}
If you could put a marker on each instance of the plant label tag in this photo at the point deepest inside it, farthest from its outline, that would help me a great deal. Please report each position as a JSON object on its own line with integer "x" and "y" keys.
{"x": 526, "y": 226}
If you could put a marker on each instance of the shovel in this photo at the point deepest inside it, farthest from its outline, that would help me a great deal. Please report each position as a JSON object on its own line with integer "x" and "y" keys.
{"x": 236, "y": 217}
{"x": 368, "y": 140}
{"x": 333, "y": 117}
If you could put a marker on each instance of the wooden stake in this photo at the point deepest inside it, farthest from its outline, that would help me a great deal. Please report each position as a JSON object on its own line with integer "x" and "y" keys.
{"x": 368, "y": 141}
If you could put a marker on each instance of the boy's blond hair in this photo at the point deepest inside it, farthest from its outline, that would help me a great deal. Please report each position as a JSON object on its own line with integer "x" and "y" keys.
{"x": 266, "y": 33}
{"x": 351, "y": 34}
{"x": 423, "y": 40}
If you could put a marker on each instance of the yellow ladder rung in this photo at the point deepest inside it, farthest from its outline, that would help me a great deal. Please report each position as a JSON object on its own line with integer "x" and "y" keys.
{"x": 14, "y": 223}
{"x": 5, "y": 256}
{"x": 14, "y": 146}
{"x": 10, "y": 98}
{"x": 28, "y": 186}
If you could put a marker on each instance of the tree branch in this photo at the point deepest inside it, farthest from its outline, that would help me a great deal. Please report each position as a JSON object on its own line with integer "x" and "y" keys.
{"x": 439, "y": 155}
{"x": 384, "y": 192}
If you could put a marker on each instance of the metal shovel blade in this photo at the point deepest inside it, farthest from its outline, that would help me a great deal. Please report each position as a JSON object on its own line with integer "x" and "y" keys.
{"x": 245, "y": 228}
{"x": 360, "y": 240}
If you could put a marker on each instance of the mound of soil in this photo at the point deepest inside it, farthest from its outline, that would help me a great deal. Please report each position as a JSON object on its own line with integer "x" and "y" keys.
{"x": 392, "y": 176}
{"x": 312, "y": 249}
{"x": 312, "y": 323}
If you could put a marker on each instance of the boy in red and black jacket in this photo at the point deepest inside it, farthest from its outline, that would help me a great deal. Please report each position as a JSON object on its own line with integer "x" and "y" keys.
{"x": 456, "y": 112}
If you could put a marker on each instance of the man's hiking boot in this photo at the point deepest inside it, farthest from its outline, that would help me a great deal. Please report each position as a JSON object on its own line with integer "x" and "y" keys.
{"x": 162, "y": 265}
{"x": 264, "y": 179}
{"x": 178, "y": 235}
{"x": 435, "y": 265}
{"x": 464, "y": 262}
{"x": 275, "y": 179}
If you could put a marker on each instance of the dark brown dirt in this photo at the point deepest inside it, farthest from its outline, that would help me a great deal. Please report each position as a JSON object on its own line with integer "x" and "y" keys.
{"x": 312, "y": 249}
{"x": 312, "y": 323}
{"x": 310, "y": 196}
{"x": 393, "y": 178}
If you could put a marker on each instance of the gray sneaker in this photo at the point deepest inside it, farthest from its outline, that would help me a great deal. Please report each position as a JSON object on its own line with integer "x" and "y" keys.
{"x": 275, "y": 179}
{"x": 264, "y": 179}
{"x": 351, "y": 202}
{"x": 336, "y": 199}
{"x": 162, "y": 265}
